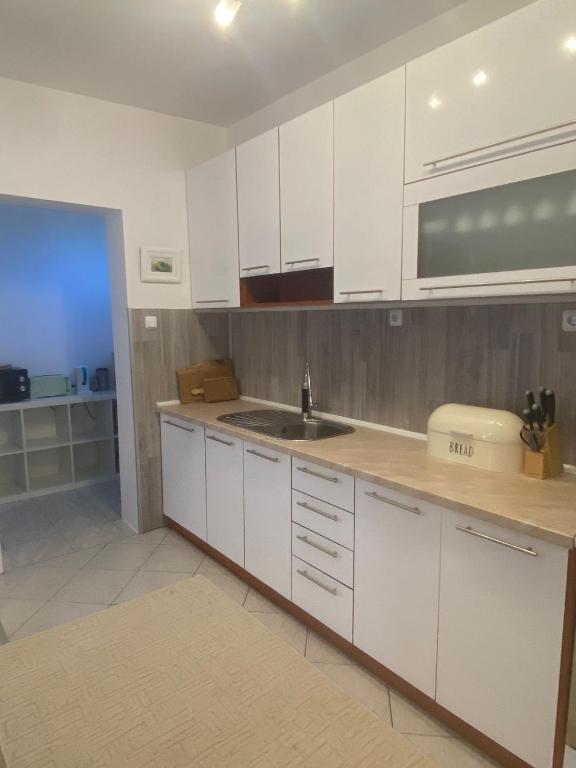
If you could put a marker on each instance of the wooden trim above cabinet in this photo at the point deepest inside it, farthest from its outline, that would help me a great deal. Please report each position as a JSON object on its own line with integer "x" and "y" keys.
{"x": 468, "y": 732}
{"x": 306, "y": 287}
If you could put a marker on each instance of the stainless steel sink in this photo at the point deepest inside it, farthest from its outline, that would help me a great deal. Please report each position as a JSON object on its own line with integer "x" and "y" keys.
{"x": 286, "y": 425}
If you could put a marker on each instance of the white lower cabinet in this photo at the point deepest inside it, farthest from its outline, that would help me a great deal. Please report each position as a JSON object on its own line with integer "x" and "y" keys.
{"x": 184, "y": 475}
{"x": 267, "y": 514}
{"x": 396, "y": 572}
{"x": 225, "y": 495}
{"x": 323, "y": 597}
{"x": 500, "y": 633}
{"x": 329, "y": 557}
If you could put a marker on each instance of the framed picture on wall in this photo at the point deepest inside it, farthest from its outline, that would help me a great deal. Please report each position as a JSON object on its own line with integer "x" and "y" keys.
{"x": 160, "y": 265}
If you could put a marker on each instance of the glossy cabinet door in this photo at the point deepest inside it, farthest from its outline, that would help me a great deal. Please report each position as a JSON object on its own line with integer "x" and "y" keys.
{"x": 396, "y": 574}
{"x": 307, "y": 190}
{"x": 504, "y": 89}
{"x": 225, "y": 495}
{"x": 267, "y": 514}
{"x": 184, "y": 474}
{"x": 213, "y": 225}
{"x": 500, "y": 633}
{"x": 368, "y": 190}
{"x": 258, "y": 175}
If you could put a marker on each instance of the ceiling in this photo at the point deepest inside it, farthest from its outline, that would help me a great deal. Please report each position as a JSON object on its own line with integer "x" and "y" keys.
{"x": 169, "y": 55}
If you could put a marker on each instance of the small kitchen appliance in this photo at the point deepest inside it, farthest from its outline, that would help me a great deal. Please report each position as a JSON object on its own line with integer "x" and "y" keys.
{"x": 49, "y": 386}
{"x": 14, "y": 384}
{"x": 479, "y": 437}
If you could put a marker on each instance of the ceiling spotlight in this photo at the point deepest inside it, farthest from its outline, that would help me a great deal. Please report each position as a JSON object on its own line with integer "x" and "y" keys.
{"x": 480, "y": 78}
{"x": 225, "y": 12}
{"x": 434, "y": 102}
{"x": 570, "y": 44}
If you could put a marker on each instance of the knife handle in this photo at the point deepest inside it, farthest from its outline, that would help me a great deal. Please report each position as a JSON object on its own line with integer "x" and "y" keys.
{"x": 550, "y": 406}
{"x": 530, "y": 398}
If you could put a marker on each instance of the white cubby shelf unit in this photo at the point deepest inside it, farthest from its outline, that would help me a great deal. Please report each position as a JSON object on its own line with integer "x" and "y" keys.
{"x": 56, "y": 443}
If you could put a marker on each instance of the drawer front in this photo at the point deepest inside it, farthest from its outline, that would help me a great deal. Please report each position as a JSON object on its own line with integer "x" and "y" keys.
{"x": 323, "y": 483}
{"x": 331, "y": 558}
{"x": 322, "y": 597}
{"x": 332, "y": 522}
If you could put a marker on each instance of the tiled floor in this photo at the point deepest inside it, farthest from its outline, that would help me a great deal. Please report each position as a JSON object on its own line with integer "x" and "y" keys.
{"x": 69, "y": 554}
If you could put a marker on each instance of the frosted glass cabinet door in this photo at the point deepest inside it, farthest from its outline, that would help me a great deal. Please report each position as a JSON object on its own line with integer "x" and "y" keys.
{"x": 213, "y": 224}
{"x": 368, "y": 190}
{"x": 471, "y": 101}
{"x": 518, "y": 238}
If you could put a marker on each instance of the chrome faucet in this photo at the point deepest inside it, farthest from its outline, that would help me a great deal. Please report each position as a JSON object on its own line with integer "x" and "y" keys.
{"x": 307, "y": 402}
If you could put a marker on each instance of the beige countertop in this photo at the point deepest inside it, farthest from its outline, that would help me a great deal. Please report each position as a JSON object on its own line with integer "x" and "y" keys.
{"x": 543, "y": 508}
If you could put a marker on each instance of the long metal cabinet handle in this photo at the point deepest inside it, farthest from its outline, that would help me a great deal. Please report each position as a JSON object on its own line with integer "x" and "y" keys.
{"x": 212, "y": 301}
{"x": 301, "y": 261}
{"x": 262, "y": 456}
{"x": 179, "y": 426}
{"x": 497, "y": 144}
{"x": 310, "y": 508}
{"x": 260, "y": 266}
{"x": 332, "y": 590}
{"x": 218, "y": 440}
{"x": 472, "y": 532}
{"x": 317, "y": 474}
{"x": 320, "y": 548}
{"x": 504, "y": 282}
{"x": 353, "y": 293}
{"x": 374, "y": 495}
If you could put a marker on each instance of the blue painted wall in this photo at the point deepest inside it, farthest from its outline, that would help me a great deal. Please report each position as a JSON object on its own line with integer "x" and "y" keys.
{"x": 54, "y": 292}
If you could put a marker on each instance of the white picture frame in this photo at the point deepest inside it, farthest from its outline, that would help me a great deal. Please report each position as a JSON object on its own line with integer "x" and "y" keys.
{"x": 160, "y": 265}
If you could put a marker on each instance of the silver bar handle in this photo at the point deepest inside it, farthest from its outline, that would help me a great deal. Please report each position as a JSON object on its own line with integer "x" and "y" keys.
{"x": 219, "y": 440}
{"x": 262, "y": 455}
{"x": 317, "y": 474}
{"x": 260, "y": 266}
{"x": 179, "y": 426}
{"x": 504, "y": 282}
{"x": 374, "y": 495}
{"x": 354, "y": 293}
{"x": 502, "y": 542}
{"x": 212, "y": 301}
{"x": 332, "y": 590}
{"x": 301, "y": 261}
{"x": 321, "y": 512}
{"x": 496, "y": 144}
{"x": 319, "y": 547}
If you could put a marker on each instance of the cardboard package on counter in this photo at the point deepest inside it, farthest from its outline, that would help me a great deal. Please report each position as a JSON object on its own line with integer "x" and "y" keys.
{"x": 211, "y": 380}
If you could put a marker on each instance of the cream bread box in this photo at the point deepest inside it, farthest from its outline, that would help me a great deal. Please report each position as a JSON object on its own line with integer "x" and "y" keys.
{"x": 480, "y": 437}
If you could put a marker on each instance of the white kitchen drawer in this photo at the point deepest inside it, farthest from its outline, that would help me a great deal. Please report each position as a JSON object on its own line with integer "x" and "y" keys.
{"x": 332, "y": 522}
{"x": 327, "y": 600}
{"x": 331, "y": 558}
{"x": 323, "y": 483}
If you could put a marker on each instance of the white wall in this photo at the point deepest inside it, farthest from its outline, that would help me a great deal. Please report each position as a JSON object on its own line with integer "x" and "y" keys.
{"x": 55, "y": 309}
{"x": 449, "y": 26}
{"x": 73, "y": 149}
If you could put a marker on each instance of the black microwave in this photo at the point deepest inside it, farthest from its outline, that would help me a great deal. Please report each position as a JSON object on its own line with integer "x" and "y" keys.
{"x": 14, "y": 385}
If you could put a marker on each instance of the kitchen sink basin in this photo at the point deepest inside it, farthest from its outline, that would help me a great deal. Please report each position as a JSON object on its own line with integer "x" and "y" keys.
{"x": 285, "y": 425}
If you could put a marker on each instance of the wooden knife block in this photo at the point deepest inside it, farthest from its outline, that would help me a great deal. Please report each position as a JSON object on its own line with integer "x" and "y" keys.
{"x": 548, "y": 461}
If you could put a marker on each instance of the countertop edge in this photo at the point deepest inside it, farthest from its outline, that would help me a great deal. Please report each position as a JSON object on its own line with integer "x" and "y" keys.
{"x": 566, "y": 541}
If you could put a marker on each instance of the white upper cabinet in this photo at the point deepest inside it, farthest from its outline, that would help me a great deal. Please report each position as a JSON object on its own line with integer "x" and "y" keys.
{"x": 307, "y": 190}
{"x": 504, "y": 89}
{"x": 213, "y": 226}
{"x": 258, "y": 177}
{"x": 368, "y": 190}
{"x": 500, "y": 634}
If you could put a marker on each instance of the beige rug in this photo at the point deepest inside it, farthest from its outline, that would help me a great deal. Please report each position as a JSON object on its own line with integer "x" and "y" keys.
{"x": 181, "y": 678}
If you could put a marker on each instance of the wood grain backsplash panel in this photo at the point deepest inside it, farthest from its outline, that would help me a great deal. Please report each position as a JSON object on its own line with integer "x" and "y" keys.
{"x": 365, "y": 369}
{"x": 182, "y": 337}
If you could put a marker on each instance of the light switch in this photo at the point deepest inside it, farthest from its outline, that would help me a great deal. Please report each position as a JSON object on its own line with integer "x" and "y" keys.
{"x": 150, "y": 321}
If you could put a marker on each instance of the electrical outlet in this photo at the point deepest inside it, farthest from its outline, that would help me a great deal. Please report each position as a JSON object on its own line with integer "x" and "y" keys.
{"x": 395, "y": 317}
{"x": 150, "y": 321}
{"x": 569, "y": 320}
